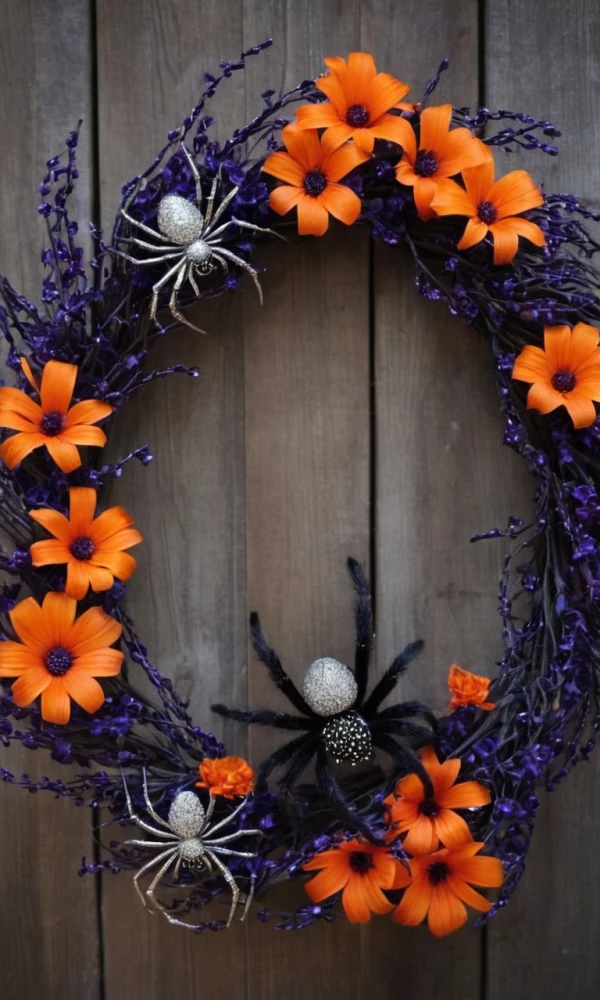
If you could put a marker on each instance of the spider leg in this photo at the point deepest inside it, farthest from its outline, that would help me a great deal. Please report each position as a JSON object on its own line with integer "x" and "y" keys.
{"x": 232, "y": 836}
{"x": 417, "y": 736}
{"x": 210, "y": 204}
{"x": 389, "y": 680}
{"x": 146, "y": 260}
{"x": 244, "y": 265}
{"x": 152, "y": 843}
{"x": 155, "y": 881}
{"x": 192, "y": 280}
{"x": 269, "y": 657}
{"x": 149, "y": 807}
{"x": 146, "y": 246}
{"x": 160, "y": 284}
{"x": 229, "y": 817}
{"x": 406, "y": 759}
{"x": 297, "y": 764}
{"x": 140, "y": 822}
{"x": 195, "y": 174}
{"x": 235, "y": 892}
{"x": 364, "y": 629}
{"x": 407, "y": 709}
{"x": 243, "y": 225}
{"x": 208, "y": 813}
{"x": 233, "y": 854}
{"x": 173, "y": 302}
{"x": 336, "y": 798}
{"x": 210, "y": 225}
{"x": 250, "y": 896}
{"x": 279, "y": 720}
{"x": 148, "y": 867}
{"x": 280, "y": 756}
{"x": 145, "y": 229}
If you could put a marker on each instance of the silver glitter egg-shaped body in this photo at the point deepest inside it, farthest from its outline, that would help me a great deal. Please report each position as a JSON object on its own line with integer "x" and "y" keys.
{"x": 329, "y": 687}
{"x": 180, "y": 219}
{"x": 348, "y": 738}
{"x": 186, "y": 815}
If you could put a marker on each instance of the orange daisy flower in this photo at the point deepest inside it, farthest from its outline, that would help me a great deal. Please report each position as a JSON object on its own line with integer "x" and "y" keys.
{"x": 226, "y": 776}
{"x": 92, "y": 547}
{"x": 493, "y": 207}
{"x": 58, "y": 656}
{"x": 439, "y": 885}
{"x": 53, "y": 422}
{"x": 427, "y": 820}
{"x": 312, "y": 176}
{"x": 361, "y": 870}
{"x": 565, "y": 373}
{"x": 441, "y": 154}
{"x": 468, "y": 689}
{"x": 359, "y": 101}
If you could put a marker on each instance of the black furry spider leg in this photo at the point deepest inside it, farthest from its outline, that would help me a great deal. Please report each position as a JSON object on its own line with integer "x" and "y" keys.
{"x": 416, "y": 736}
{"x": 279, "y": 756}
{"x": 390, "y": 678}
{"x": 336, "y": 798}
{"x": 406, "y": 759}
{"x": 278, "y": 675}
{"x": 264, "y": 717}
{"x": 406, "y": 709}
{"x": 298, "y": 762}
{"x": 364, "y": 629}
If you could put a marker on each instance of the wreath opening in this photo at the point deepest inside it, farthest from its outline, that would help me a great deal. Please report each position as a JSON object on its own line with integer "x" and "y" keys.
{"x": 409, "y": 814}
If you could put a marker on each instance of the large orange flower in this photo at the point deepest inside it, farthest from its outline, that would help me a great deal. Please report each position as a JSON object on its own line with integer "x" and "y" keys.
{"x": 59, "y": 657}
{"x": 360, "y": 99}
{"x": 312, "y": 178}
{"x": 493, "y": 207}
{"x": 566, "y": 373}
{"x": 361, "y": 870}
{"x": 92, "y": 547}
{"x": 226, "y": 776}
{"x": 429, "y": 819}
{"x": 439, "y": 885}
{"x": 442, "y": 153}
{"x": 468, "y": 689}
{"x": 53, "y": 422}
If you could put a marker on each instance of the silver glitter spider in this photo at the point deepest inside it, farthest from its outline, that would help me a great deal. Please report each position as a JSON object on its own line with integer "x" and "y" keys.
{"x": 191, "y": 238}
{"x": 188, "y": 840}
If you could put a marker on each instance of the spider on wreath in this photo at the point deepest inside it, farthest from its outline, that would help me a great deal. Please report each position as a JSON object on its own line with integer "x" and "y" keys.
{"x": 336, "y": 718}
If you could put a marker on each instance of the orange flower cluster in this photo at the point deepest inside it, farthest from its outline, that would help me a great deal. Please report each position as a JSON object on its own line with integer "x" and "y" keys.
{"x": 468, "y": 689}
{"x": 438, "y": 880}
{"x": 55, "y": 654}
{"x": 226, "y": 776}
{"x": 328, "y": 140}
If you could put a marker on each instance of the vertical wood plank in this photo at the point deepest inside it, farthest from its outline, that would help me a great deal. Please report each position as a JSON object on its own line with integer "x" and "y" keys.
{"x": 188, "y": 596}
{"x": 49, "y": 932}
{"x": 543, "y": 58}
{"x": 307, "y": 462}
{"x": 441, "y": 475}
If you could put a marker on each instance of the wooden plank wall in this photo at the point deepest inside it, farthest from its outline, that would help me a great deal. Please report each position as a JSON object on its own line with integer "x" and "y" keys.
{"x": 342, "y": 418}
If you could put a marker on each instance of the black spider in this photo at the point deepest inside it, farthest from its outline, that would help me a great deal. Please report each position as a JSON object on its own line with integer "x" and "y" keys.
{"x": 336, "y": 718}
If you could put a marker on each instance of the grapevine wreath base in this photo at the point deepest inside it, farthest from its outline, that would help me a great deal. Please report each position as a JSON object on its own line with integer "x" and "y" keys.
{"x": 402, "y": 813}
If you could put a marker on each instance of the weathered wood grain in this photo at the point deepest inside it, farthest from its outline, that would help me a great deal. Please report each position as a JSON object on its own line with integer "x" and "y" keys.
{"x": 543, "y": 58}
{"x": 49, "y": 934}
{"x": 188, "y": 596}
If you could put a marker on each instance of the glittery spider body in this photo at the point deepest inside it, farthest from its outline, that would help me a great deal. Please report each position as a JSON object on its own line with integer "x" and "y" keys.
{"x": 187, "y": 840}
{"x": 337, "y": 717}
{"x": 190, "y": 238}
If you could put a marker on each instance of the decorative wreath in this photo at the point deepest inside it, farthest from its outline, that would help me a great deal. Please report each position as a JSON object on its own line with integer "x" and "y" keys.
{"x": 448, "y": 803}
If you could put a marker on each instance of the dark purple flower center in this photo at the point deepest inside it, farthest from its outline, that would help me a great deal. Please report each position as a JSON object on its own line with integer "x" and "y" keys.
{"x": 360, "y": 862}
{"x": 426, "y": 163}
{"x": 438, "y": 872}
{"x": 487, "y": 212}
{"x": 564, "y": 381}
{"x": 429, "y": 808}
{"x": 52, "y": 423}
{"x": 315, "y": 182}
{"x": 58, "y": 661}
{"x": 357, "y": 116}
{"x": 82, "y": 548}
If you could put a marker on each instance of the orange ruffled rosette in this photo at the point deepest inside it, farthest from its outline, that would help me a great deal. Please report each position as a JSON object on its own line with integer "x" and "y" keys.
{"x": 226, "y": 776}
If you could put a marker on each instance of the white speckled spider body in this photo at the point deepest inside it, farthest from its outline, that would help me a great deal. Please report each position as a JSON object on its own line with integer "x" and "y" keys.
{"x": 191, "y": 238}
{"x": 187, "y": 840}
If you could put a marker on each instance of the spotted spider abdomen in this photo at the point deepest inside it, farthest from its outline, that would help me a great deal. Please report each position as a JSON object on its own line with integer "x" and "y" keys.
{"x": 186, "y": 815}
{"x": 348, "y": 738}
{"x": 180, "y": 219}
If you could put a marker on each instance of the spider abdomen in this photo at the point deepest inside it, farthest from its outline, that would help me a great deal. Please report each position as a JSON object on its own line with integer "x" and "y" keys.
{"x": 180, "y": 219}
{"x": 186, "y": 815}
{"x": 347, "y": 737}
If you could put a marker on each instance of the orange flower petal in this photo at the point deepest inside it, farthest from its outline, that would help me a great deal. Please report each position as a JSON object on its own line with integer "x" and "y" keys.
{"x": 88, "y": 411}
{"x": 59, "y": 613}
{"x": 119, "y": 564}
{"x": 514, "y": 193}
{"x": 413, "y": 907}
{"x": 424, "y": 191}
{"x": 480, "y": 179}
{"x": 285, "y": 168}
{"x": 31, "y": 684}
{"x": 584, "y": 347}
{"x": 485, "y": 872}
{"x": 374, "y": 897}
{"x": 529, "y": 230}
{"x": 355, "y": 901}
{"x": 29, "y": 622}
{"x": 468, "y": 895}
{"x": 84, "y": 690}
{"x": 122, "y": 539}
{"x": 16, "y": 448}
{"x": 93, "y": 630}
{"x": 109, "y": 523}
{"x": 81, "y": 434}
{"x": 364, "y": 139}
{"x": 532, "y": 365}
{"x": 338, "y": 164}
{"x": 580, "y": 408}
{"x": 64, "y": 454}
{"x": 421, "y": 838}
{"x": 326, "y": 858}
{"x": 331, "y": 880}
{"x": 283, "y": 199}
{"x": 82, "y": 507}
{"x": 58, "y": 382}
{"x": 54, "y": 522}
{"x": 341, "y": 202}
{"x": 467, "y": 795}
{"x": 451, "y": 199}
{"x": 435, "y": 123}
{"x": 317, "y": 116}
{"x": 56, "y": 705}
{"x": 336, "y": 136}
{"x": 15, "y": 659}
{"x": 544, "y": 398}
{"x": 15, "y": 422}
{"x": 461, "y": 150}
{"x": 451, "y": 828}
{"x": 446, "y": 912}
{"x": 99, "y": 663}
{"x": 313, "y": 219}
{"x": 385, "y": 92}
{"x": 78, "y": 579}
{"x": 26, "y": 368}
{"x": 358, "y": 76}
{"x": 411, "y": 788}
{"x": 443, "y": 775}
{"x": 506, "y": 243}
{"x": 303, "y": 146}
{"x": 557, "y": 345}
{"x": 475, "y": 232}
{"x": 52, "y": 552}
{"x": 19, "y": 402}
{"x": 100, "y": 578}
{"x": 331, "y": 86}
{"x": 392, "y": 128}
